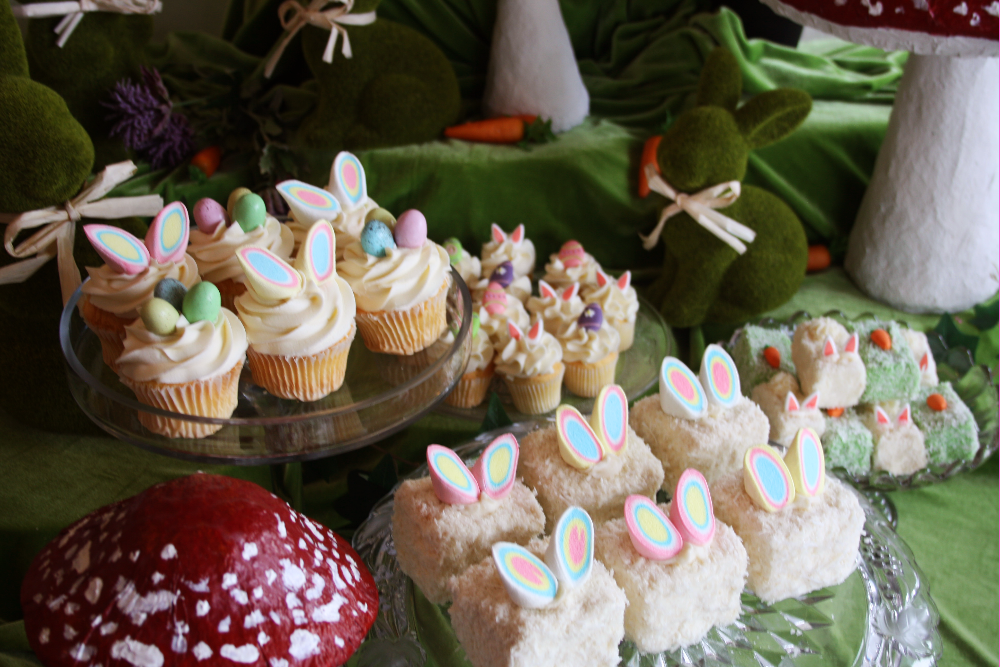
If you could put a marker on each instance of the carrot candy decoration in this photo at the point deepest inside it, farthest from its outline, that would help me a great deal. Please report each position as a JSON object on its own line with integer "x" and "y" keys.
{"x": 819, "y": 258}
{"x": 503, "y": 130}
{"x": 207, "y": 160}
{"x": 648, "y": 157}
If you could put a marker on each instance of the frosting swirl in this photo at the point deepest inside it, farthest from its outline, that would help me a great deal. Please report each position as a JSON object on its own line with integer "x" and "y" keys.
{"x": 521, "y": 255}
{"x": 123, "y": 294}
{"x": 617, "y": 305}
{"x": 558, "y": 274}
{"x": 400, "y": 280}
{"x": 216, "y": 253}
{"x": 469, "y": 268}
{"x": 587, "y": 346}
{"x": 313, "y": 320}
{"x": 556, "y": 313}
{"x": 524, "y": 358}
{"x": 192, "y": 352}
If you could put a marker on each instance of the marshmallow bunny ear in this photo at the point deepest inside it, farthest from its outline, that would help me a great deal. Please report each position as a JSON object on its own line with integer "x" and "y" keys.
{"x": 496, "y": 467}
{"x": 451, "y": 479}
{"x": 829, "y": 349}
{"x": 904, "y": 416}
{"x": 317, "y": 255}
{"x": 625, "y": 280}
{"x": 811, "y": 402}
{"x": 880, "y": 416}
{"x": 529, "y": 582}
{"x": 514, "y": 331}
{"x": 852, "y": 344}
{"x": 518, "y": 234}
{"x": 570, "y": 555}
{"x": 535, "y": 332}
{"x": 579, "y": 446}
{"x": 498, "y": 234}
{"x": 571, "y": 292}
{"x": 120, "y": 250}
{"x": 167, "y": 238}
{"x": 546, "y": 291}
{"x": 602, "y": 278}
{"x": 924, "y": 362}
{"x": 347, "y": 181}
{"x": 791, "y": 403}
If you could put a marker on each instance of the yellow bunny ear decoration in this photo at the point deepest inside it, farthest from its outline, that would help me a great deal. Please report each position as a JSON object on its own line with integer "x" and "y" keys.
{"x": 317, "y": 256}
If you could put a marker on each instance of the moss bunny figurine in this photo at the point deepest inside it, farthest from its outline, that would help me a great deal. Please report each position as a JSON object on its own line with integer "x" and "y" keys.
{"x": 703, "y": 278}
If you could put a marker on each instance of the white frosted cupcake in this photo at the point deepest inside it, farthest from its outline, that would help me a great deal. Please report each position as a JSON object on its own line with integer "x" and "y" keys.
{"x": 518, "y": 287}
{"x": 514, "y": 248}
{"x": 499, "y": 309}
{"x": 556, "y": 308}
{"x": 531, "y": 367}
{"x": 475, "y": 381}
{"x": 590, "y": 352}
{"x": 571, "y": 265}
{"x": 618, "y": 301}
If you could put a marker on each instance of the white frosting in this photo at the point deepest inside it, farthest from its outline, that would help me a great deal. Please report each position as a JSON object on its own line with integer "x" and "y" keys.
{"x": 521, "y": 255}
{"x": 216, "y": 253}
{"x": 402, "y": 279}
{"x": 469, "y": 268}
{"x": 617, "y": 305}
{"x": 496, "y": 327}
{"x": 482, "y": 352}
{"x": 588, "y": 346}
{"x": 192, "y": 352}
{"x": 123, "y": 294}
{"x": 559, "y": 275}
{"x": 524, "y": 358}
{"x": 556, "y": 313}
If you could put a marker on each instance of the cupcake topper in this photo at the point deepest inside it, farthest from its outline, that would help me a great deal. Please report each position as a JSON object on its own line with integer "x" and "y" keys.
{"x": 347, "y": 181}
{"x": 546, "y": 291}
{"x": 652, "y": 534}
{"x": 610, "y": 419}
{"x": 514, "y": 331}
{"x": 120, "y": 250}
{"x": 208, "y": 215}
{"x": 602, "y": 278}
{"x": 625, "y": 280}
{"x": 167, "y": 238}
{"x": 570, "y": 292}
{"x": 308, "y": 203}
{"x": 450, "y": 477}
{"x": 317, "y": 256}
{"x": 681, "y": 395}
{"x": 691, "y": 510}
{"x": 269, "y": 277}
{"x": 719, "y": 377}
{"x": 571, "y": 254}
{"x": 503, "y": 275}
{"x": 496, "y": 467}
{"x": 852, "y": 344}
{"x": 591, "y": 318}
{"x": 806, "y": 463}
{"x": 495, "y": 299}
{"x": 529, "y": 582}
{"x": 535, "y": 332}
{"x": 411, "y": 229}
{"x": 454, "y": 249}
{"x": 578, "y": 444}
{"x": 570, "y": 555}
{"x": 499, "y": 236}
{"x": 766, "y": 479}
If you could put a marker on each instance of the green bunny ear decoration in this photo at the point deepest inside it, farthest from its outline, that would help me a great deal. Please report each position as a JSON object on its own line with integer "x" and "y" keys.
{"x": 721, "y": 82}
{"x": 13, "y": 59}
{"x": 773, "y": 115}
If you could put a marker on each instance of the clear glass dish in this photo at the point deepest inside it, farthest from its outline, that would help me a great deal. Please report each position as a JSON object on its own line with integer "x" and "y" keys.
{"x": 636, "y": 370}
{"x": 882, "y": 615}
{"x": 973, "y": 383}
{"x": 381, "y": 394}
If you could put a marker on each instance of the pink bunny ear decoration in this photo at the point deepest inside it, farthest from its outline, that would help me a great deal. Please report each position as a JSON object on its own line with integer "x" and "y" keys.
{"x": 923, "y": 362}
{"x": 571, "y": 292}
{"x": 811, "y": 402}
{"x": 791, "y": 403}
{"x": 546, "y": 290}
{"x": 518, "y": 234}
{"x": 498, "y": 234}
{"x": 308, "y": 203}
{"x": 120, "y": 250}
{"x": 880, "y": 416}
{"x": 904, "y": 416}
{"x": 347, "y": 181}
{"x": 829, "y": 349}
{"x": 852, "y": 344}
{"x": 317, "y": 256}
{"x": 536, "y": 331}
{"x": 167, "y": 238}
{"x": 602, "y": 278}
{"x": 625, "y": 280}
{"x": 514, "y": 331}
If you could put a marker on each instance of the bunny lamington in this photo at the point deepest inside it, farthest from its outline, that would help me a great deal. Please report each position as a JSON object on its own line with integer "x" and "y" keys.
{"x": 827, "y": 361}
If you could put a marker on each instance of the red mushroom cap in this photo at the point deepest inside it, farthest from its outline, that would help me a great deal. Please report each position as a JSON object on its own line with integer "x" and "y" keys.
{"x": 204, "y": 570}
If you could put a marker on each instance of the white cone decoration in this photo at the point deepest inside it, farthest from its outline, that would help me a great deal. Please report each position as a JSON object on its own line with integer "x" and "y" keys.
{"x": 532, "y": 68}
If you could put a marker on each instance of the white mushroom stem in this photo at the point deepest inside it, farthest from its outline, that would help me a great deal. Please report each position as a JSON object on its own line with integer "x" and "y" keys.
{"x": 926, "y": 235}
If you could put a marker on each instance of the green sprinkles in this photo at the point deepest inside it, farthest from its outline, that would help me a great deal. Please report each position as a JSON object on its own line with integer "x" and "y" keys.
{"x": 848, "y": 443}
{"x": 748, "y": 355}
{"x": 891, "y": 374}
{"x": 949, "y": 435}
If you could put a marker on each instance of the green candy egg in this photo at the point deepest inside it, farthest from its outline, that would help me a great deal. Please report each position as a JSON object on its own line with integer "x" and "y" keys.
{"x": 202, "y": 302}
{"x": 159, "y": 316}
{"x": 454, "y": 249}
{"x": 382, "y": 215}
{"x": 250, "y": 212}
{"x": 475, "y": 325}
{"x": 234, "y": 197}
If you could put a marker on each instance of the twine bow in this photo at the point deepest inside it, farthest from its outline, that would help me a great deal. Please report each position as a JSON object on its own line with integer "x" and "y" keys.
{"x": 73, "y": 11}
{"x": 294, "y": 17}
{"x": 56, "y": 238}
{"x": 700, "y": 206}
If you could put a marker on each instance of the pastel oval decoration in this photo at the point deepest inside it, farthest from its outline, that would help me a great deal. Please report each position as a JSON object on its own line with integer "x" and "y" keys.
{"x": 317, "y": 256}
{"x": 307, "y": 202}
{"x": 719, "y": 377}
{"x": 652, "y": 534}
{"x": 453, "y": 247}
{"x": 167, "y": 238}
{"x": 347, "y": 181}
{"x": 806, "y": 463}
{"x": 503, "y": 275}
{"x": 681, "y": 395}
{"x": 571, "y": 254}
{"x": 496, "y": 467}
{"x": 529, "y": 582}
{"x": 495, "y": 299}
{"x": 591, "y": 318}
{"x": 208, "y": 215}
{"x": 120, "y": 250}
{"x": 269, "y": 276}
{"x": 451, "y": 479}
{"x": 570, "y": 554}
{"x": 411, "y": 229}
{"x": 202, "y": 303}
{"x": 578, "y": 444}
{"x": 691, "y": 510}
{"x": 610, "y": 419}
{"x": 766, "y": 479}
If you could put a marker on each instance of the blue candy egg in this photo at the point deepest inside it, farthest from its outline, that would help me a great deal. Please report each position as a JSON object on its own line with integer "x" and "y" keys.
{"x": 172, "y": 291}
{"x": 376, "y": 238}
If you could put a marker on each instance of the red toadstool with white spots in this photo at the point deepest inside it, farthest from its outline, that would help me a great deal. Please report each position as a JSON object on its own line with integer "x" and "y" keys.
{"x": 203, "y": 570}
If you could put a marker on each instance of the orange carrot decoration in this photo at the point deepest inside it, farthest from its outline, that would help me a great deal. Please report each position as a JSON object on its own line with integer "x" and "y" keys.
{"x": 819, "y": 258}
{"x": 207, "y": 160}
{"x": 648, "y": 157}
{"x": 507, "y": 130}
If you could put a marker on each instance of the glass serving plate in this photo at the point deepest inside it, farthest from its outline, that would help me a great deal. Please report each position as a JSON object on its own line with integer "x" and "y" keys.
{"x": 882, "y": 615}
{"x": 636, "y": 370}
{"x": 381, "y": 394}
{"x": 973, "y": 383}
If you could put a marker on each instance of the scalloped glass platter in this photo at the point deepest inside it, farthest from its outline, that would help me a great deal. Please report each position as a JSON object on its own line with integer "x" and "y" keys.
{"x": 381, "y": 394}
{"x": 973, "y": 383}
{"x": 636, "y": 371}
{"x": 882, "y": 615}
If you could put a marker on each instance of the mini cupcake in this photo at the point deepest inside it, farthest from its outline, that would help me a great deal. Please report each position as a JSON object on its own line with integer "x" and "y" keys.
{"x": 475, "y": 381}
{"x": 518, "y": 287}
{"x": 214, "y": 244}
{"x": 499, "y": 309}
{"x": 300, "y": 323}
{"x": 350, "y": 186}
{"x": 467, "y": 266}
{"x": 571, "y": 265}
{"x": 531, "y": 367}
{"x": 400, "y": 282}
{"x": 513, "y": 248}
{"x": 590, "y": 351}
{"x": 557, "y": 309}
{"x": 187, "y": 362}
{"x": 618, "y": 301}
{"x": 132, "y": 270}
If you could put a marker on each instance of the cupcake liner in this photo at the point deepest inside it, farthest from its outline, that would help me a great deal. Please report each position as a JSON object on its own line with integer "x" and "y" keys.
{"x": 587, "y": 380}
{"x": 538, "y": 394}
{"x": 404, "y": 331}
{"x": 229, "y": 289}
{"x": 471, "y": 388}
{"x": 626, "y": 332}
{"x": 214, "y": 397}
{"x": 307, "y": 378}
{"x": 110, "y": 330}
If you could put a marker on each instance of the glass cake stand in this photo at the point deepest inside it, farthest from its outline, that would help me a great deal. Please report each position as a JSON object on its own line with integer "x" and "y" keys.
{"x": 381, "y": 394}
{"x": 636, "y": 371}
{"x": 882, "y": 615}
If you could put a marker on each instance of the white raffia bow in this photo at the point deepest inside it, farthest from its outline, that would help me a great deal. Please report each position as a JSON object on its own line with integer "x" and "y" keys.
{"x": 333, "y": 19}
{"x": 56, "y": 238}
{"x": 72, "y": 12}
{"x": 700, "y": 206}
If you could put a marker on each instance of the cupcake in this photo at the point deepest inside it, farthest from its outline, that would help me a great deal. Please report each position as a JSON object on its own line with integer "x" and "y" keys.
{"x": 214, "y": 244}
{"x": 531, "y": 367}
{"x": 400, "y": 282}
{"x": 513, "y": 248}
{"x": 590, "y": 351}
{"x": 475, "y": 381}
{"x": 300, "y": 323}
{"x": 350, "y": 186}
{"x": 467, "y": 266}
{"x": 618, "y": 301}
{"x": 556, "y": 308}
{"x": 307, "y": 205}
{"x": 571, "y": 265}
{"x": 518, "y": 287}
{"x": 132, "y": 270}
{"x": 187, "y": 362}
{"x": 499, "y": 309}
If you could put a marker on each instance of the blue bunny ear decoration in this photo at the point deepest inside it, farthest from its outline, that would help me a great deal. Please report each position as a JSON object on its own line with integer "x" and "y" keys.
{"x": 317, "y": 255}
{"x": 269, "y": 277}
{"x": 347, "y": 181}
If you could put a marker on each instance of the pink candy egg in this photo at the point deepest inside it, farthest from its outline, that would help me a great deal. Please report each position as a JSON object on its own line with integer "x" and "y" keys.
{"x": 495, "y": 299}
{"x": 208, "y": 215}
{"x": 411, "y": 229}
{"x": 571, "y": 253}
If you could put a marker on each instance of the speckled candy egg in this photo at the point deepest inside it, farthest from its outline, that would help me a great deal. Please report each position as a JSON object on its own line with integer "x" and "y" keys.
{"x": 503, "y": 275}
{"x": 172, "y": 291}
{"x": 495, "y": 299}
{"x": 208, "y": 215}
{"x": 376, "y": 238}
{"x": 571, "y": 254}
{"x": 202, "y": 302}
{"x": 411, "y": 229}
{"x": 591, "y": 318}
